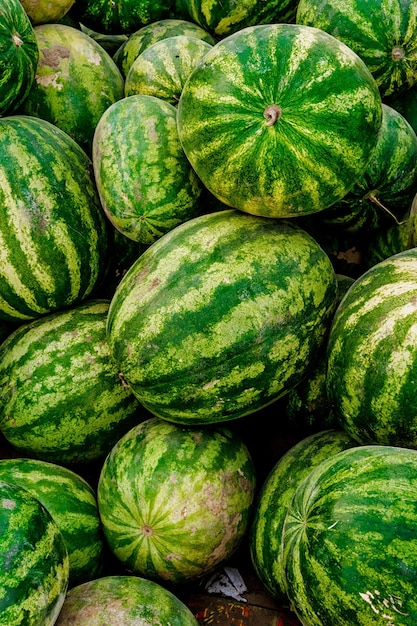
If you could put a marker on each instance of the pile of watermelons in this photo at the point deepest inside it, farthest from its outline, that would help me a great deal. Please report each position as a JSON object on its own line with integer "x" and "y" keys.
{"x": 208, "y": 307}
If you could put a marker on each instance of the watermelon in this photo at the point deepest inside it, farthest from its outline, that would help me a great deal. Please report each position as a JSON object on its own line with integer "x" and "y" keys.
{"x": 274, "y": 498}
{"x": 54, "y": 235}
{"x": 279, "y": 135}
{"x": 222, "y": 18}
{"x": 126, "y": 600}
{"x": 18, "y": 55}
{"x": 76, "y": 81}
{"x": 61, "y": 397}
{"x": 34, "y": 567}
{"x": 146, "y": 36}
{"x": 383, "y": 195}
{"x": 350, "y": 540}
{"x": 72, "y": 504}
{"x": 44, "y": 11}
{"x": 372, "y": 354}
{"x": 162, "y": 69}
{"x": 124, "y": 16}
{"x": 145, "y": 182}
{"x": 175, "y": 501}
{"x": 382, "y": 33}
{"x": 221, "y": 316}
{"x": 405, "y": 102}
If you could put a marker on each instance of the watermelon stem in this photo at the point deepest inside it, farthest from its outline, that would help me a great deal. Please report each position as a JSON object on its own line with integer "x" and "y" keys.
{"x": 397, "y": 53}
{"x": 272, "y": 113}
{"x": 378, "y": 203}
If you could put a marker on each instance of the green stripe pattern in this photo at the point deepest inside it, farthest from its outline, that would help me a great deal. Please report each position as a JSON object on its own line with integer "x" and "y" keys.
{"x": 279, "y": 134}
{"x": 53, "y": 236}
{"x": 61, "y": 398}
{"x": 383, "y": 35}
{"x": 162, "y": 69}
{"x": 72, "y": 504}
{"x": 224, "y": 17}
{"x": 372, "y": 354}
{"x": 127, "y": 599}
{"x": 145, "y": 182}
{"x": 146, "y": 36}
{"x": 175, "y": 501}
{"x": 349, "y": 540}
{"x": 34, "y": 565}
{"x": 76, "y": 81}
{"x": 19, "y": 55}
{"x": 221, "y": 316}
{"x": 275, "y": 497}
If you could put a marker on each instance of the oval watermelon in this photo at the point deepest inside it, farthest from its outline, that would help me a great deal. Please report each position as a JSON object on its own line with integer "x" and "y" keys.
{"x": 34, "y": 565}
{"x": 175, "y": 501}
{"x": 275, "y": 497}
{"x": 61, "y": 398}
{"x": 125, "y": 600}
{"x": 279, "y": 135}
{"x": 221, "y": 316}
{"x": 76, "y": 80}
{"x": 45, "y": 11}
{"x": 350, "y": 540}
{"x": 372, "y": 354}
{"x": 53, "y": 233}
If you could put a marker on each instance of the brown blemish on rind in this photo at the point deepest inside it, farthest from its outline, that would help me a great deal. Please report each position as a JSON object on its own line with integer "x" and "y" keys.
{"x": 51, "y": 57}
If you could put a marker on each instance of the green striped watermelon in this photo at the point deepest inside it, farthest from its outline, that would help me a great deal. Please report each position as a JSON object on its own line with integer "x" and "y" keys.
{"x": 19, "y": 55}
{"x": 124, "y": 16}
{"x": 372, "y": 354}
{"x": 76, "y": 81}
{"x": 224, "y": 17}
{"x": 125, "y": 600}
{"x": 383, "y": 195}
{"x": 221, "y": 316}
{"x": 146, "y": 36}
{"x": 350, "y": 540}
{"x": 145, "y": 182}
{"x": 61, "y": 398}
{"x": 72, "y": 504}
{"x": 275, "y": 497}
{"x": 34, "y": 566}
{"x": 162, "y": 69}
{"x": 279, "y": 135}
{"x": 383, "y": 34}
{"x": 53, "y": 233}
{"x": 175, "y": 501}
{"x": 45, "y": 11}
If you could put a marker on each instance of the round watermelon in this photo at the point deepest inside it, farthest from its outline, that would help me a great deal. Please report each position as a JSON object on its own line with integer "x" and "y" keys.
{"x": 372, "y": 354}
{"x": 221, "y": 316}
{"x": 280, "y": 134}
{"x": 145, "y": 182}
{"x": 350, "y": 540}
{"x": 124, "y": 16}
{"x": 61, "y": 397}
{"x": 76, "y": 81}
{"x": 125, "y": 600}
{"x": 19, "y": 55}
{"x": 72, "y": 504}
{"x": 54, "y": 235}
{"x": 34, "y": 566}
{"x": 175, "y": 501}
